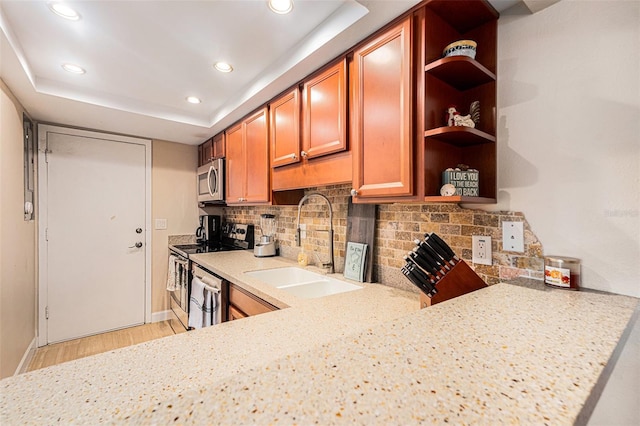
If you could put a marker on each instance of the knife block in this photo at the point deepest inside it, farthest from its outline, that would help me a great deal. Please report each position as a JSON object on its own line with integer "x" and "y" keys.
{"x": 461, "y": 279}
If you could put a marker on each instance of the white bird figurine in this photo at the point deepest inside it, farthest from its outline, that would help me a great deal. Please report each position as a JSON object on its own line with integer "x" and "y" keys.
{"x": 455, "y": 119}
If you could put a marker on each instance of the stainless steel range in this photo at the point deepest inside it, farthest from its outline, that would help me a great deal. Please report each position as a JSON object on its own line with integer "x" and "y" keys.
{"x": 233, "y": 236}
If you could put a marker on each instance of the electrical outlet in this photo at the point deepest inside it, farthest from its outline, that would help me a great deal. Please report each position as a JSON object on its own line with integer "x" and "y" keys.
{"x": 161, "y": 223}
{"x": 303, "y": 231}
{"x": 481, "y": 250}
{"x": 513, "y": 236}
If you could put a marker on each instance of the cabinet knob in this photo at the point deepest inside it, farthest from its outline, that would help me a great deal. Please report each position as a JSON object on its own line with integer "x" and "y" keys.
{"x": 294, "y": 156}
{"x": 354, "y": 193}
{"x": 303, "y": 153}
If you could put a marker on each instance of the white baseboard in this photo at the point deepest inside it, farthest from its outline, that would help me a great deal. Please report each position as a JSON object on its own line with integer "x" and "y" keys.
{"x": 26, "y": 358}
{"x": 161, "y": 316}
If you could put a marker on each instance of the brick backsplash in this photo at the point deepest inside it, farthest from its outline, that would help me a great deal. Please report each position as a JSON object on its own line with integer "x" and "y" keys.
{"x": 397, "y": 225}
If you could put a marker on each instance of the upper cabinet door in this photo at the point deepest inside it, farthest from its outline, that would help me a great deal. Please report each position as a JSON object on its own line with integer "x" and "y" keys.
{"x": 284, "y": 121}
{"x": 205, "y": 153}
{"x": 257, "y": 157}
{"x": 325, "y": 112}
{"x": 382, "y": 117}
{"x": 235, "y": 164}
{"x": 219, "y": 149}
{"x": 247, "y": 148}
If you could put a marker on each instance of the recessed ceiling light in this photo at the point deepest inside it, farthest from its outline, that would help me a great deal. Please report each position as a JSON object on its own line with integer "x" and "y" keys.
{"x": 223, "y": 67}
{"x": 281, "y": 6}
{"x": 193, "y": 100}
{"x": 75, "y": 69}
{"x": 64, "y": 11}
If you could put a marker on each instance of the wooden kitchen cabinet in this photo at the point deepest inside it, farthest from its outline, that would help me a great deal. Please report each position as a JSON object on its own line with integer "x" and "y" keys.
{"x": 211, "y": 149}
{"x": 205, "y": 152}
{"x": 247, "y": 155}
{"x": 309, "y": 132}
{"x": 219, "y": 147}
{"x": 243, "y": 304}
{"x": 459, "y": 80}
{"x": 324, "y": 118}
{"x": 383, "y": 154}
{"x": 284, "y": 123}
{"x": 401, "y": 141}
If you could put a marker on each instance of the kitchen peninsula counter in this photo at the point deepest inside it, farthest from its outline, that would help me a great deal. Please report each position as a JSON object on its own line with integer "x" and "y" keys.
{"x": 506, "y": 353}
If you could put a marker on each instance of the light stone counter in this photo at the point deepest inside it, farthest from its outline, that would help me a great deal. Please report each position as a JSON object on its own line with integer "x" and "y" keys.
{"x": 232, "y": 266}
{"x": 504, "y": 354}
{"x": 102, "y": 387}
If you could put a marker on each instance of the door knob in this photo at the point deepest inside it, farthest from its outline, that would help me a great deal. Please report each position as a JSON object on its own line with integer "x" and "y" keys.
{"x": 136, "y": 245}
{"x": 138, "y": 230}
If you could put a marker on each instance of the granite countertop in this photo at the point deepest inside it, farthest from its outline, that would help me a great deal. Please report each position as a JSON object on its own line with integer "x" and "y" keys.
{"x": 507, "y": 353}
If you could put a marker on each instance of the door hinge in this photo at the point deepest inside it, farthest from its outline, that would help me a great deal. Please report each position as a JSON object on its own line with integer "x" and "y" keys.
{"x": 46, "y": 234}
{"x": 46, "y": 312}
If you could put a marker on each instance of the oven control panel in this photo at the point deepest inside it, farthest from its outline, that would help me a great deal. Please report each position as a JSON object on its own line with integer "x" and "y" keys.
{"x": 238, "y": 235}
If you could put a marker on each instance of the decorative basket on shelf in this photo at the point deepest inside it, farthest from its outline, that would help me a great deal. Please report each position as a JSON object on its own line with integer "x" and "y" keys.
{"x": 461, "y": 48}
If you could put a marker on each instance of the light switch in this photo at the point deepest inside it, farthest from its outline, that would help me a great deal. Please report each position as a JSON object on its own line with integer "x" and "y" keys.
{"x": 513, "y": 236}
{"x": 161, "y": 223}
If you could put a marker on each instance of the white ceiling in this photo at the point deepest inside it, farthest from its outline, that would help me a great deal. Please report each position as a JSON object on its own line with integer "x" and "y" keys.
{"x": 143, "y": 58}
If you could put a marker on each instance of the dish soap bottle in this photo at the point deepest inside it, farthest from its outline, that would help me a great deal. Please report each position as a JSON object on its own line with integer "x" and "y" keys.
{"x": 303, "y": 259}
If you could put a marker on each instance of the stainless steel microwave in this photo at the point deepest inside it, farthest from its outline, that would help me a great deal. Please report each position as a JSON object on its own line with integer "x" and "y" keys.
{"x": 211, "y": 182}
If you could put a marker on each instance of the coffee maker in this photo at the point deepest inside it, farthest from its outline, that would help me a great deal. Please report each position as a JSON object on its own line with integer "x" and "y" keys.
{"x": 268, "y": 245}
{"x": 209, "y": 231}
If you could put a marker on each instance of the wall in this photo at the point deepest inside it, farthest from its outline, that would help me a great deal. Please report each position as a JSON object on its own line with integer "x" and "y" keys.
{"x": 17, "y": 242}
{"x": 314, "y": 215}
{"x": 569, "y": 133}
{"x": 173, "y": 198}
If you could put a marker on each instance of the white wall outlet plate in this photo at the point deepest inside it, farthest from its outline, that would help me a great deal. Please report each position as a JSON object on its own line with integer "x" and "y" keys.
{"x": 513, "y": 236}
{"x": 481, "y": 250}
{"x": 161, "y": 223}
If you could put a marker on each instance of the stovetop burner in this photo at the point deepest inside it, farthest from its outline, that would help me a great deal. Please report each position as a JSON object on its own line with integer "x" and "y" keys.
{"x": 203, "y": 248}
{"x": 233, "y": 237}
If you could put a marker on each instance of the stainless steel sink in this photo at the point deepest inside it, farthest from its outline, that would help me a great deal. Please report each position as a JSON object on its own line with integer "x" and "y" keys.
{"x": 302, "y": 283}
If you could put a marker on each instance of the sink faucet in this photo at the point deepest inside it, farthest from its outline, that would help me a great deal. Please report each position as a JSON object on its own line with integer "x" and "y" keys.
{"x": 330, "y": 264}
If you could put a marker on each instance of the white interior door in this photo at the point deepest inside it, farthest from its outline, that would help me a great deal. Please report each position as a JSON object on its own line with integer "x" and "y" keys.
{"x": 95, "y": 201}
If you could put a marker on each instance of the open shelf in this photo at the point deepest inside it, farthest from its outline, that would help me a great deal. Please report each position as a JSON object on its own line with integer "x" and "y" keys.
{"x": 459, "y": 199}
{"x": 464, "y": 15}
{"x": 460, "y": 135}
{"x": 461, "y": 72}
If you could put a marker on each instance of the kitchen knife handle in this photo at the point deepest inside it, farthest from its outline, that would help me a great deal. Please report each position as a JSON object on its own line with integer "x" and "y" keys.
{"x": 415, "y": 281}
{"x": 444, "y": 245}
{"x": 436, "y": 264}
{"x": 431, "y": 276}
{"x": 420, "y": 274}
{"x": 415, "y": 257}
{"x": 423, "y": 248}
{"x": 422, "y": 277}
{"x": 439, "y": 250}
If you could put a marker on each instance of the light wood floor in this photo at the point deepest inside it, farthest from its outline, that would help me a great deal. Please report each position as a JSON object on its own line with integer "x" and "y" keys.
{"x": 73, "y": 349}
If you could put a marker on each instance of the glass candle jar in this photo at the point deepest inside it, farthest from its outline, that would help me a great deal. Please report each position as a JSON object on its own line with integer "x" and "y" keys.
{"x": 562, "y": 272}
